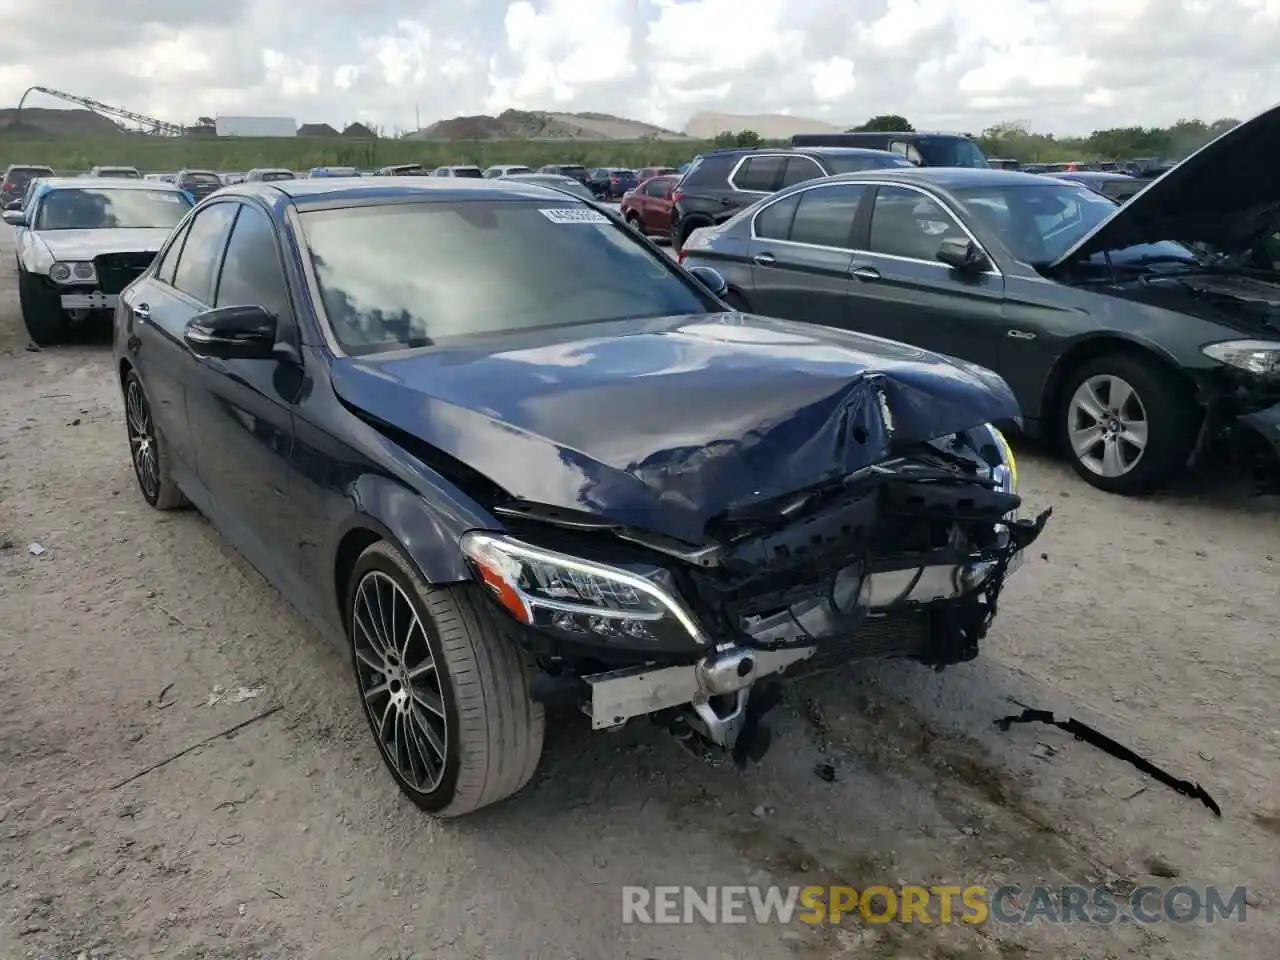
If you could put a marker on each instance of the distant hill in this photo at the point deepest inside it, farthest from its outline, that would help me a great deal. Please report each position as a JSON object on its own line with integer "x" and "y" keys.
{"x": 770, "y": 126}
{"x": 72, "y": 124}
{"x": 539, "y": 125}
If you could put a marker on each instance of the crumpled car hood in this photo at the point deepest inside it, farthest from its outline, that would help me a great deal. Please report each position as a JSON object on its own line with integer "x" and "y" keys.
{"x": 87, "y": 244}
{"x": 1225, "y": 195}
{"x": 671, "y": 422}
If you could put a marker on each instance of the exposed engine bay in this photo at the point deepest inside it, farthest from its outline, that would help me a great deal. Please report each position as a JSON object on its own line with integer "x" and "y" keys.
{"x": 905, "y": 558}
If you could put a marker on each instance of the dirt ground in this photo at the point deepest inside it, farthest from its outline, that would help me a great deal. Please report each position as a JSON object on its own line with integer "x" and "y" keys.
{"x": 135, "y": 635}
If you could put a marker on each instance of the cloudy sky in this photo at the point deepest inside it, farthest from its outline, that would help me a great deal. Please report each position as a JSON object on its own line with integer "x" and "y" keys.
{"x": 1063, "y": 65}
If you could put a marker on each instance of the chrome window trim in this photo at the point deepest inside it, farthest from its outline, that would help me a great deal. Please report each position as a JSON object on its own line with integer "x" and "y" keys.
{"x": 738, "y": 166}
{"x": 946, "y": 207}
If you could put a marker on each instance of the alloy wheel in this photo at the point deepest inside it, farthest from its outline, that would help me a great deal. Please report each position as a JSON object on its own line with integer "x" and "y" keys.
{"x": 142, "y": 439}
{"x": 399, "y": 681}
{"x": 1107, "y": 425}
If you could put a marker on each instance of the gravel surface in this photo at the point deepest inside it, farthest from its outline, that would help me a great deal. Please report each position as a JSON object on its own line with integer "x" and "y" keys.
{"x": 134, "y": 635}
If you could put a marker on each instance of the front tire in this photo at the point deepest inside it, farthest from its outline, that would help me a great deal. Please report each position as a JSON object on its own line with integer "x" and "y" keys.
{"x": 444, "y": 685}
{"x": 1127, "y": 424}
{"x": 42, "y": 312}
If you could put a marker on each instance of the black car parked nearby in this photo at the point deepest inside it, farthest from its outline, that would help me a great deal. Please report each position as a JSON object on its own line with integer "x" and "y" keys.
{"x": 1136, "y": 336}
{"x": 610, "y": 183}
{"x": 198, "y": 183}
{"x": 575, "y": 170}
{"x": 1118, "y": 186}
{"x": 720, "y": 183}
{"x": 519, "y": 455}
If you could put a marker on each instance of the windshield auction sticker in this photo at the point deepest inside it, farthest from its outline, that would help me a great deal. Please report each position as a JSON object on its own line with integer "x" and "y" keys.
{"x": 573, "y": 215}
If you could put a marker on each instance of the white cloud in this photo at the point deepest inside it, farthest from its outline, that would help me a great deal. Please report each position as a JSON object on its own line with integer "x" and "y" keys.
{"x": 1067, "y": 65}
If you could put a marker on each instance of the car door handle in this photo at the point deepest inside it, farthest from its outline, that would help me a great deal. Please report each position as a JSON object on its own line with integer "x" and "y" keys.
{"x": 141, "y": 311}
{"x": 765, "y": 259}
{"x": 866, "y": 273}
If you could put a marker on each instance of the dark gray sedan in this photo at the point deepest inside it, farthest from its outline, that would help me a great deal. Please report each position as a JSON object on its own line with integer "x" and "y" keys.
{"x": 1134, "y": 336}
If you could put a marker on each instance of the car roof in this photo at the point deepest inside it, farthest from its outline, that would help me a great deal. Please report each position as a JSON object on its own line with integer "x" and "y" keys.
{"x": 96, "y": 183}
{"x": 355, "y": 191}
{"x": 948, "y": 178}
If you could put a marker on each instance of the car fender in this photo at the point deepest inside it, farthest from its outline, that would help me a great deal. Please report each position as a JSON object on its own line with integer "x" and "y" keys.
{"x": 33, "y": 255}
{"x": 1096, "y": 343}
{"x": 426, "y": 530}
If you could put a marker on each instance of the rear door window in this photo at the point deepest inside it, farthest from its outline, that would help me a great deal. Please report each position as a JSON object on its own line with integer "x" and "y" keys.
{"x": 826, "y": 214}
{"x": 759, "y": 174}
{"x": 800, "y": 169}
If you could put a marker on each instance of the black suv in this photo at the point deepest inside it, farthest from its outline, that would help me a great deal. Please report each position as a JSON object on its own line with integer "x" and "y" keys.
{"x": 720, "y": 183}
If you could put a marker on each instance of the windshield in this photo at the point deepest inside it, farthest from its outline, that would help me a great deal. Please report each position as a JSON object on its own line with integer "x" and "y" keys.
{"x": 853, "y": 162}
{"x": 951, "y": 152}
{"x": 277, "y": 175}
{"x": 1041, "y": 222}
{"x": 482, "y": 267}
{"x": 201, "y": 180}
{"x": 123, "y": 172}
{"x": 107, "y": 209}
{"x": 474, "y": 173}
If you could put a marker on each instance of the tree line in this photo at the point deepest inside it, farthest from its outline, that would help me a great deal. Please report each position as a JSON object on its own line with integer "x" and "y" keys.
{"x": 1016, "y": 140}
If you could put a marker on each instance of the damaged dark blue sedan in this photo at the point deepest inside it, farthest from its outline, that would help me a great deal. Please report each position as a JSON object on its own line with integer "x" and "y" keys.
{"x": 506, "y": 452}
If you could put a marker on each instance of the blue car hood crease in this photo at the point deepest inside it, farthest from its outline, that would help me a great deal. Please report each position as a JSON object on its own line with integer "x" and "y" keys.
{"x": 663, "y": 425}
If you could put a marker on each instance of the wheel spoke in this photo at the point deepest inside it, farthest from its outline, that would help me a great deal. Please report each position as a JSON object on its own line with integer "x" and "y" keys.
{"x": 395, "y": 667}
{"x": 428, "y": 701}
{"x": 1082, "y": 441}
{"x": 1087, "y": 399}
{"x": 1134, "y": 432}
{"x": 1113, "y": 464}
{"x": 1119, "y": 394}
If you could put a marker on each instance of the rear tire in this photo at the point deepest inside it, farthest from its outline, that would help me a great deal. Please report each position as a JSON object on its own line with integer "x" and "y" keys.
{"x": 148, "y": 449}
{"x": 1142, "y": 440}
{"x": 42, "y": 312}
{"x": 633, "y": 221}
{"x": 489, "y": 725}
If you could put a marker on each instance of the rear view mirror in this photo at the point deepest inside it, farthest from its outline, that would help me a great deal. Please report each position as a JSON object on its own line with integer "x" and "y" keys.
{"x": 711, "y": 279}
{"x": 963, "y": 254}
{"x": 13, "y": 217}
{"x": 232, "y": 333}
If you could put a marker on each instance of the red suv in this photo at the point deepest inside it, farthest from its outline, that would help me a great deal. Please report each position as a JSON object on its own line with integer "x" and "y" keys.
{"x": 648, "y": 206}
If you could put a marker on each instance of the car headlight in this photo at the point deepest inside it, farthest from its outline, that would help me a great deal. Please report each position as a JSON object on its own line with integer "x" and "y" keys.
{"x": 81, "y": 271}
{"x": 1259, "y": 357}
{"x": 1007, "y": 472}
{"x": 580, "y": 598}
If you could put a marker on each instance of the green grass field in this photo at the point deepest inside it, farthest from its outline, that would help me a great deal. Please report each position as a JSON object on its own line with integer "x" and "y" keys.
{"x": 300, "y": 153}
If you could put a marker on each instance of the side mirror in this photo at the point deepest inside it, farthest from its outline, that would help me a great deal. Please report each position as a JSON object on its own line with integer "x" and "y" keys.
{"x": 963, "y": 255}
{"x": 232, "y": 333}
{"x": 13, "y": 216}
{"x": 711, "y": 279}
{"x": 13, "y": 205}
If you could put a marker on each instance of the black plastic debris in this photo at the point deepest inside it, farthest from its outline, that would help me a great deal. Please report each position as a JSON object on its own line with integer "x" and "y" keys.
{"x": 825, "y": 771}
{"x": 1082, "y": 731}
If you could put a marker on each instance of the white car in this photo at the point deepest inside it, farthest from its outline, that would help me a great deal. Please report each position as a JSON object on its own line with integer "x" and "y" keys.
{"x": 80, "y": 241}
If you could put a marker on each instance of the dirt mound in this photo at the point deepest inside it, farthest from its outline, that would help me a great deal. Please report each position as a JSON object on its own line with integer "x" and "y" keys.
{"x": 72, "y": 124}
{"x": 538, "y": 125}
